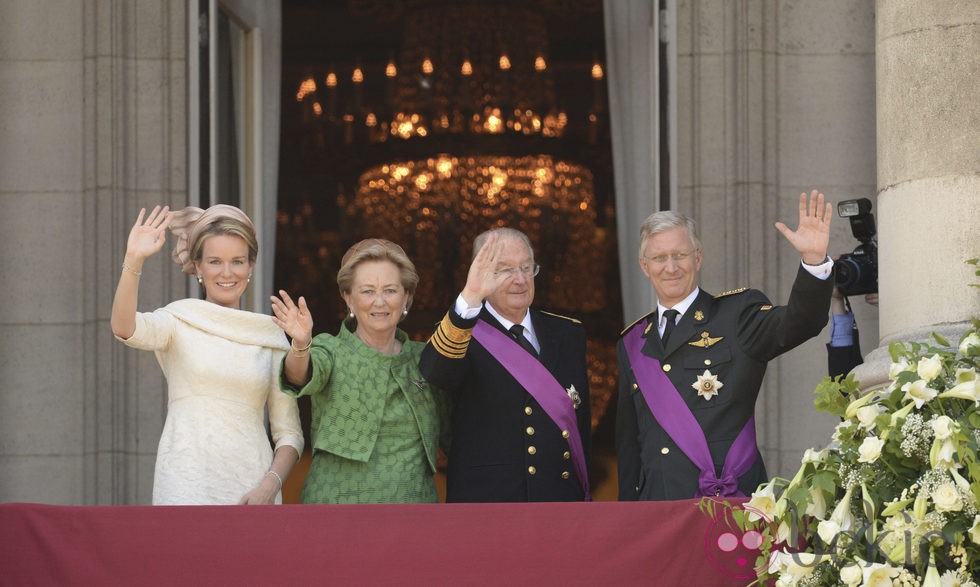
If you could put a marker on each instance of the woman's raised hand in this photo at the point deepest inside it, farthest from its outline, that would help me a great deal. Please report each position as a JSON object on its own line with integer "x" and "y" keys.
{"x": 294, "y": 319}
{"x": 147, "y": 238}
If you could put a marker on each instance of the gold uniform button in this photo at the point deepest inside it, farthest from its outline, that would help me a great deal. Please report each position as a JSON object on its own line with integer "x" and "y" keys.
{"x": 707, "y": 361}
{"x": 564, "y": 434}
{"x": 667, "y": 367}
{"x": 566, "y": 455}
{"x": 531, "y": 470}
{"x": 528, "y": 410}
{"x": 530, "y": 431}
{"x": 531, "y": 450}
{"x": 635, "y": 386}
{"x": 664, "y": 450}
{"x": 565, "y": 475}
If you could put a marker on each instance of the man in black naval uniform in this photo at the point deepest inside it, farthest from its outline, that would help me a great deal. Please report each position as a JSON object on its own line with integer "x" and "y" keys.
{"x": 690, "y": 372}
{"x": 521, "y": 423}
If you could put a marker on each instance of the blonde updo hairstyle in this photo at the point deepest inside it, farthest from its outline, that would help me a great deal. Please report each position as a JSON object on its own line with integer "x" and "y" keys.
{"x": 378, "y": 249}
{"x": 228, "y": 227}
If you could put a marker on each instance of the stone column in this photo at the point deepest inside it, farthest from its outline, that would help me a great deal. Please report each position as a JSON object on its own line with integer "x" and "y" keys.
{"x": 928, "y": 143}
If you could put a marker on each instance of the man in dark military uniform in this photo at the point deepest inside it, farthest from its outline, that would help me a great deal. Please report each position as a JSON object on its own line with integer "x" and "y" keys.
{"x": 690, "y": 372}
{"x": 521, "y": 424}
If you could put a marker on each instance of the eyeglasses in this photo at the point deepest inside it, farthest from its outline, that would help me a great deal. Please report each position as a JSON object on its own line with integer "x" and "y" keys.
{"x": 662, "y": 259}
{"x": 528, "y": 271}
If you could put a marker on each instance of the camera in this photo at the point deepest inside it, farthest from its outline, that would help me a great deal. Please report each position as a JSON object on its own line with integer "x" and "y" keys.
{"x": 856, "y": 273}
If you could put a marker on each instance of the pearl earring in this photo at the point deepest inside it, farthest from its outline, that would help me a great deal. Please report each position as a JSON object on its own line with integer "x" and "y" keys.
{"x": 249, "y": 280}
{"x": 199, "y": 280}
{"x": 351, "y": 313}
{"x": 404, "y": 312}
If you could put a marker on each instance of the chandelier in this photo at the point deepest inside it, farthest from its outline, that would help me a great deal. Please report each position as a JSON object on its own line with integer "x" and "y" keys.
{"x": 460, "y": 131}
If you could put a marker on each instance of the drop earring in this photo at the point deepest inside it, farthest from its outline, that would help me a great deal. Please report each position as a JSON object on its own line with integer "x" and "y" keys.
{"x": 350, "y": 313}
{"x": 249, "y": 280}
{"x": 199, "y": 280}
{"x": 404, "y": 312}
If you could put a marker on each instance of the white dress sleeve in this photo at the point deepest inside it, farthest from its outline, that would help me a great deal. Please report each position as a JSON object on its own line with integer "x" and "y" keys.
{"x": 283, "y": 412}
{"x": 154, "y": 331}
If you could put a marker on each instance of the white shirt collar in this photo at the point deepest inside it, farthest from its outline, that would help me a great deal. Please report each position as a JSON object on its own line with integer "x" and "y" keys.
{"x": 680, "y": 306}
{"x": 526, "y": 323}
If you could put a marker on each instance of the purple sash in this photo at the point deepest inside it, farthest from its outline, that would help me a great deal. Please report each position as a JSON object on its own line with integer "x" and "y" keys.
{"x": 673, "y": 415}
{"x": 542, "y": 385}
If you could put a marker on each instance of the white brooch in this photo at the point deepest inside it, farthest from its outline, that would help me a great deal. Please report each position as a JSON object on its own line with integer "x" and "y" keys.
{"x": 574, "y": 396}
{"x": 707, "y": 385}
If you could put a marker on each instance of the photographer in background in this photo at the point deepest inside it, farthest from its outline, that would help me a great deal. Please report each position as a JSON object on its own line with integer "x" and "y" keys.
{"x": 844, "y": 348}
{"x": 854, "y": 274}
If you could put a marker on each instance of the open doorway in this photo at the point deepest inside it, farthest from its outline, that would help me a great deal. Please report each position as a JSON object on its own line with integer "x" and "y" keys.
{"x": 426, "y": 122}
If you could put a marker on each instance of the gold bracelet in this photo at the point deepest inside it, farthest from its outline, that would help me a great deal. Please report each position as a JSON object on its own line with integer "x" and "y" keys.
{"x": 131, "y": 270}
{"x": 300, "y": 352}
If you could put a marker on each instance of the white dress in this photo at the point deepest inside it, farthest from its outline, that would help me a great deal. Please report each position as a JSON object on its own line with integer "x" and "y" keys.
{"x": 222, "y": 369}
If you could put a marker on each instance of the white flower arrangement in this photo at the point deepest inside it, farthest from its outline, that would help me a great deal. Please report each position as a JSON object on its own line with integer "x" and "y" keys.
{"x": 896, "y": 498}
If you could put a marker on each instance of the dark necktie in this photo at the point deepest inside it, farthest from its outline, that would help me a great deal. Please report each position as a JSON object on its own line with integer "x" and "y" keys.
{"x": 517, "y": 331}
{"x": 671, "y": 317}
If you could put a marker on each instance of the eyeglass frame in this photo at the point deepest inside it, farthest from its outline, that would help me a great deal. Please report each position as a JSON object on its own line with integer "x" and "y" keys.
{"x": 661, "y": 260}
{"x": 529, "y": 271}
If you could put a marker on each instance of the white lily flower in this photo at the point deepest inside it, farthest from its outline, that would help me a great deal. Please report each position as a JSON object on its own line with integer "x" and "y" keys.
{"x": 896, "y": 369}
{"x": 968, "y": 390}
{"x": 818, "y": 505}
{"x": 870, "y": 449}
{"x": 970, "y": 345}
{"x": 929, "y": 367}
{"x": 919, "y": 392}
{"x": 965, "y": 374}
{"x": 879, "y": 575}
{"x": 932, "y": 578}
{"x": 974, "y": 530}
{"x": 942, "y": 453}
{"x": 762, "y": 504}
{"x": 866, "y": 415}
{"x": 814, "y": 456}
{"x": 944, "y": 427}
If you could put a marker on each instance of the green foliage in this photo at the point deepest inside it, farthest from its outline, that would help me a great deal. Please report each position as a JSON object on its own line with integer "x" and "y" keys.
{"x": 897, "y": 491}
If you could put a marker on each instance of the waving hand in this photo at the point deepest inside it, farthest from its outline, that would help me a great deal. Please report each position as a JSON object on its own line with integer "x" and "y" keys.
{"x": 812, "y": 236}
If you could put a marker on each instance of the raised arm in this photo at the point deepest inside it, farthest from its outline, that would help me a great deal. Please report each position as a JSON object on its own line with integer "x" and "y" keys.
{"x": 297, "y": 322}
{"x": 483, "y": 278}
{"x": 145, "y": 239}
{"x": 812, "y": 236}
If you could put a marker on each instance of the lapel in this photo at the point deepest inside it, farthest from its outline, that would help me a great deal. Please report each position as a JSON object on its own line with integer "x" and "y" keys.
{"x": 691, "y": 323}
{"x": 547, "y": 340}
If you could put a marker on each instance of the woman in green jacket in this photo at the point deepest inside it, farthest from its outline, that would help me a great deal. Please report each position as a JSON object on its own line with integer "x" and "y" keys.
{"x": 376, "y": 422}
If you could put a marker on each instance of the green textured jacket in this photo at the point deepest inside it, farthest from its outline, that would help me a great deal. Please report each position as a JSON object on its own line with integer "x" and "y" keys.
{"x": 347, "y": 392}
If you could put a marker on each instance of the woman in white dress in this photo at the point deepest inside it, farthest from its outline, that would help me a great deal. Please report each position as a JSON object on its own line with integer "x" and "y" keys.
{"x": 221, "y": 363}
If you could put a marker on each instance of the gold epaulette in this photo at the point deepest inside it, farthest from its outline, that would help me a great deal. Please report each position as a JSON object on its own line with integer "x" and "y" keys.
{"x": 731, "y": 292}
{"x": 634, "y": 323}
{"x": 560, "y": 316}
{"x": 450, "y": 340}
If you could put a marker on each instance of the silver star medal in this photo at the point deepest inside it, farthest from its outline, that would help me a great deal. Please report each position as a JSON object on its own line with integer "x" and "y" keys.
{"x": 574, "y": 396}
{"x": 707, "y": 385}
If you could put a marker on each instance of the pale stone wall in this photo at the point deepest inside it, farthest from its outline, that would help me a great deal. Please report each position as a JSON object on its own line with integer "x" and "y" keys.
{"x": 93, "y": 123}
{"x": 775, "y": 97}
{"x": 928, "y": 80}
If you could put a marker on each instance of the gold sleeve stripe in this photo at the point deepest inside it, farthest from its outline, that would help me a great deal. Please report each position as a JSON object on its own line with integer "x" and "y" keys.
{"x": 450, "y": 340}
